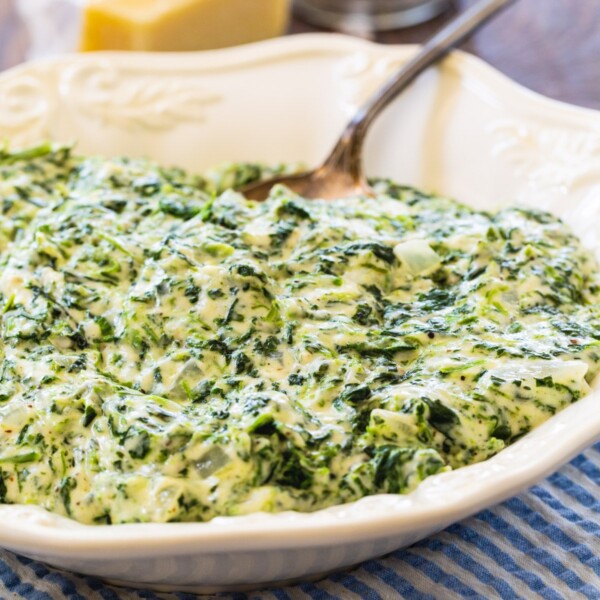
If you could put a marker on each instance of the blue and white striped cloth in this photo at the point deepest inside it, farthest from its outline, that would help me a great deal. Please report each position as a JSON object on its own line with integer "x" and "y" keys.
{"x": 544, "y": 543}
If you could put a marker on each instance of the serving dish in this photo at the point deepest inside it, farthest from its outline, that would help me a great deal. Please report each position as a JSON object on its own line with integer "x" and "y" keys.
{"x": 463, "y": 130}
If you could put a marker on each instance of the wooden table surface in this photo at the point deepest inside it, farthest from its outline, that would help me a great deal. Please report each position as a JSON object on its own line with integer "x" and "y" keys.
{"x": 550, "y": 46}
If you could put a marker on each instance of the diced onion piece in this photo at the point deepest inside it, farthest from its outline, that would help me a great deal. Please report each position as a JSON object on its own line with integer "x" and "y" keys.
{"x": 213, "y": 460}
{"x": 417, "y": 256}
{"x": 565, "y": 372}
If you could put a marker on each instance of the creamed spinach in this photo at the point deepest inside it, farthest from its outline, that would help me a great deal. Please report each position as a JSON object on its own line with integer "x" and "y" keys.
{"x": 171, "y": 351}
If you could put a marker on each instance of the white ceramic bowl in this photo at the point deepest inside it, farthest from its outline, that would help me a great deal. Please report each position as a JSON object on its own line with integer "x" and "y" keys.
{"x": 463, "y": 130}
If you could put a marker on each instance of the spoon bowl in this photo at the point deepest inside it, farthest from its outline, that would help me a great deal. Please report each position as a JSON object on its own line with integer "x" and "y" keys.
{"x": 323, "y": 183}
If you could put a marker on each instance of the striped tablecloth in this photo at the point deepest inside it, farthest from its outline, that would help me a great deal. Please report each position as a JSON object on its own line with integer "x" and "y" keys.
{"x": 544, "y": 543}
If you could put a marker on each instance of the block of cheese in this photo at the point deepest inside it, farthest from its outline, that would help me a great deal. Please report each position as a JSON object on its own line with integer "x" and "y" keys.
{"x": 163, "y": 25}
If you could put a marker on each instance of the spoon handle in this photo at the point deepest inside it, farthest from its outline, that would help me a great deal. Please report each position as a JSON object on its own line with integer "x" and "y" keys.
{"x": 347, "y": 154}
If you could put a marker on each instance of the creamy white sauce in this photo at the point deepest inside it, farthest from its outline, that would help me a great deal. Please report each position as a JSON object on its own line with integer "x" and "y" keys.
{"x": 172, "y": 352}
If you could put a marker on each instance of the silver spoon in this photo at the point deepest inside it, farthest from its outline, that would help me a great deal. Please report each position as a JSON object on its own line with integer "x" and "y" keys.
{"x": 341, "y": 175}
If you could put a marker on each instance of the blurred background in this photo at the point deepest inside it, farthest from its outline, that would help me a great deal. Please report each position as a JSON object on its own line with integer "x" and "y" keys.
{"x": 550, "y": 46}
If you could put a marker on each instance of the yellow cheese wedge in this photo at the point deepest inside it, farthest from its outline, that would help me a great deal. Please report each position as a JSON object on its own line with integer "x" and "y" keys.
{"x": 180, "y": 24}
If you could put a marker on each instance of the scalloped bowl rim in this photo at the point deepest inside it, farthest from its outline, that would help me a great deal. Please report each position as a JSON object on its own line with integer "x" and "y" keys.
{"x": 436, "y": 501}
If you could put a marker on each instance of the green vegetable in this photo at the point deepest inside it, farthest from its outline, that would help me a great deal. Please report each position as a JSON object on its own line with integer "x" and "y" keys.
{"x": 174, "y": 352}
